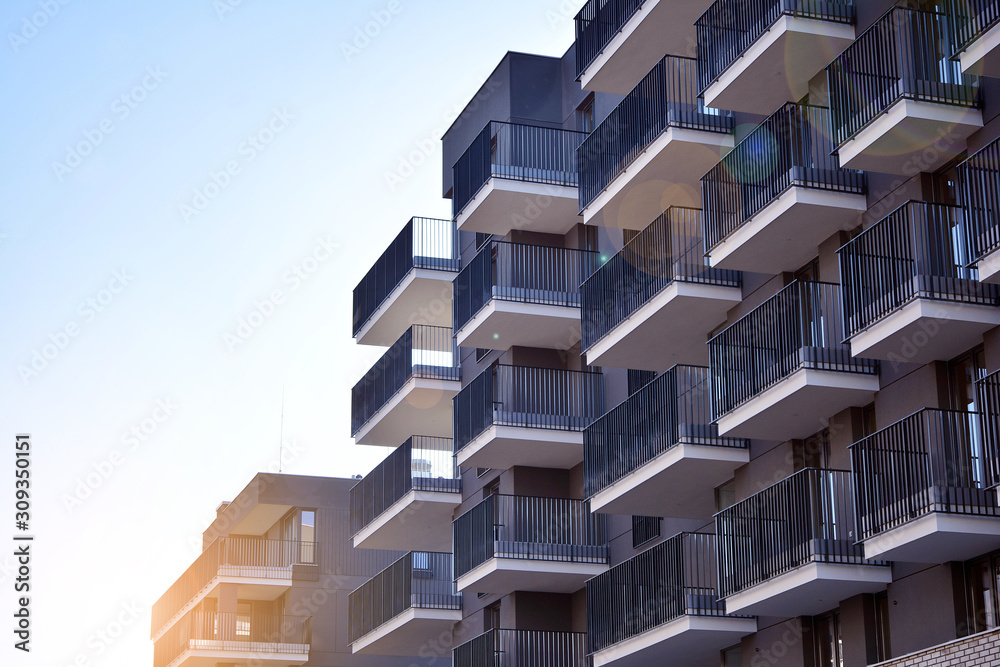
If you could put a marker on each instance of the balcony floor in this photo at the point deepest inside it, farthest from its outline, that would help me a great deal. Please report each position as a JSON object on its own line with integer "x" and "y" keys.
{"x": 422, "y": 406}
{"x": 209, "y": 653}
{"x": 982, "y": 55}
{"x": 502, "y": 205}
{"x": 501, "y": 324}
{"x": 503, "y": 576}
{"x": 419, "y": 521}
{"x": 503, "y": 447}
{"x": 989, "y": 268}
{"x": 406, "y": 632}
{"x": 936, "y": 538}
{"x": 423, "y": 297}
{"x": 694, "y": 640}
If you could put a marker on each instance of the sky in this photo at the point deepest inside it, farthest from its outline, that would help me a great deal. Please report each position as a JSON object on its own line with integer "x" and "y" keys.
{"x": 190, "y": 191}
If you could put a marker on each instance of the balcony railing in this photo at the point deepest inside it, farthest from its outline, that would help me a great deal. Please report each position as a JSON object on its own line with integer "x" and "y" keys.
{"x": 730, "y": 27}
{"x": 805, "y": 518}
{"x": 520, "y": 272}
{"x": 916, "y": 252}
{"x": 421, "y": 352}
{"x": 418, "y": 580}
{"x": 516, "y": 152}
{"x": 905, "y": 55}
{"x": 520, "y": 648}
{"x": 666, "y": 97}
{"x": 988, "y": 396}
{"x": 234, "y": 633}
{"x": 255, "y": 557}
{"x": 790, "y": 149}
{"x": 670, "y": 249}
{"x": 528, "y": 397}
{"x": 673, "y": 409}
{"x": 597, "y": 23}
{"x": 931, "y": 461}
{"x": 424, "y": 243}
{"x": 979, "y": 188}
{"x": 971, "y": 20}
{"x": 422, "y": 463}
{"x": 800, "y": 327}
{"x": 529, "y": 528}
{"x": 672, "y": 579}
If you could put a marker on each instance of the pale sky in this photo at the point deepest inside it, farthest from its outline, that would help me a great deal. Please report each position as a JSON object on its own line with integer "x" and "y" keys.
{"x": 170, "y": 169}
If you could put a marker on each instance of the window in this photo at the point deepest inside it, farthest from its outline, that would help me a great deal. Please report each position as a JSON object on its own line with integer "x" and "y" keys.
{"x": 585, "y": 115}
{"x": 482, "y": 471}
{"x": 725, "y": 495}
{"x": 732, "y": 656}
{"x": 868, "y": 424}
{"x": 829, "y": 646}
{"x": 492, "y": 619}
{"x": 421, "y": 560}
{"x": 298, "y": 532}
{"x": 482, "y": 353}
{"x": 638, "y": 379}
{"x": 882, "y": 626}
{"x": 981, "y": 576}
{"x": 644, "y": 529}
{"x": 963, "y": 373}
{"x": 482, "y": 239}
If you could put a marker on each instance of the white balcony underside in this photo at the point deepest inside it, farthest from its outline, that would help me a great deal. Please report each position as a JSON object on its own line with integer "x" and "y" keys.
{"x": 503, "y": 447}
{"x": 694, "y": 640}
{"x": 668, "y": 173}
{"x": 419, "y": 521}
{"x": 209, "y": 653}
{"x": 672, "y": 328}
{"x": 983, "y": 55}
{"x": 423, "y": 297}
{"x": 777, "y": 68}
{"x": 502, "y": 576}
{"x": 422, "y": 406}
{"x": 937, "y": 538}
{"x": 501, "y": 324}
{"x": 503, "y": 205}
{"x": 408, "y": 631}
{"x": 912, "y": 136}
{"x": 989, "y": 268}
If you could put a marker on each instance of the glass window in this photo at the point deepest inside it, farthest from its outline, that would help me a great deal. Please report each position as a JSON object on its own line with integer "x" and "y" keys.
{"x": 725, "y": 495}
{"x": 882, "y": 626}
{"x": 981, "y": 575}
{"x": 829, "y": 647}
{"x": 732, "y": 656}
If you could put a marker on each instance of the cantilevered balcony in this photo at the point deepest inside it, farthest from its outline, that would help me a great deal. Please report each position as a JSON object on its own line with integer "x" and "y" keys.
{"x": 979, "y": 188}
{"x": 790, "y": 550}
{"x": 779, "y": 194}
{"x": 648, "y": 154}
{"x": 262, "y": 569}
{"x": 406, "y": 502}
{"x": 908, "y": 296}
{"x": 410, "y": 603}
{"x": 617, "y": 41}
{"x": 520, "y": 294}
{"x": 410, "y": 282}
{"x": 207, "y": 639}
{"x": 517, "y": 176}
{"x": 658, "y": 453}
{"x": 408, "y": 390}
{"x": 921, "y": 491}
{"x": 524, "y": 416}
{"x": 900, "y": 104}
{"x": 754, "y": 56}
{"x": 524, "y": 543}
{"x": 522, "y": 648}
{"x": 652, "y": 305}
{"x": 661, "y": 607}
{"x": 783, "y": 369}
{"x": 977, "y": 34}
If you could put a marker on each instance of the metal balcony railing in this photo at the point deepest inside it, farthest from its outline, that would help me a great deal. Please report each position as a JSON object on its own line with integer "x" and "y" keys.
{"x": 597, "y": 23}
{"x": 520, "y": 272}
{"x": 254, "y": 557}
{"x": 529, "y": 528}
{"x": 529, "y": 397}
{"x": 666, "y": 97}
{"x": 805, "y": 518}
{"x": 790, "y": 149}
{"x": 241, "y": 636}
{"x": 521, "y": 648}
{"x": 799, "y": 327}
{"x": 675, "y": 408}
{"x": 424, "y": 243}
{"x": 918, "y": 251}
{"x": 418, "y": 580}
{"x": 421, "y": 352}
{"x": 730, "y": 27}
{"x": 670, "y": 249}
{"x": 979, "y": 193}
{"x": 515, "y": 152}
{"x": 971, "y": 19}
{"x": 931, "y": 461}
{"x": 988, "y": 397}
{"x": 906, "y": 54}
{"x": 422, "y": 463}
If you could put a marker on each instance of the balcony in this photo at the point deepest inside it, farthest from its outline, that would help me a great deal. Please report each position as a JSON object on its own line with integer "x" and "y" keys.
{"x": 206, "y": 639}
{"x": 783, "y": 369}
{"x": 908, "y": 296}
{"x": 523, "y": 543}
{"x": 979, "y": 188}
{"x": 658, "y": 453}
{"x": 649, "y": 152}
{"x": 408, "y": 390}
{"x": 988, "y": 400}
{"x": 661, "y": 607}
{"x": 900, "y": 105}
{"x": 524, "y": 416}
{"x": 790, "y": 549}
{"x": 921, "y": 490}
{"x": 618, "y": 41}
{"x": 519, "y": 294}
{"x": 410, "y": 282}
{"x": 521, "y": 648}
{"x": 652, "y": 305}
{"x": 406, "y": 502}
{"x": 517, "y": 177}
{"x": 754, "y": 57}
{"x": 977, "y": 34}
{"x": 406, "y": 605}
{"x": 779, "y": 194}
{"x": 262, "y": 569}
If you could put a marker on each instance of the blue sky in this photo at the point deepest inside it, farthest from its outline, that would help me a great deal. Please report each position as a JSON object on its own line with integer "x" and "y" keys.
{"x": 171, "y": 169}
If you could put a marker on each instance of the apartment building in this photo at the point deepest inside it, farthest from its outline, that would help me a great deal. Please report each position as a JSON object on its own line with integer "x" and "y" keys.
{"x": 705, "y": 367}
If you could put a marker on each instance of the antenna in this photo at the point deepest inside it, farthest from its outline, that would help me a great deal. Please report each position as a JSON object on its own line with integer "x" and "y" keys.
{"x": 281, "y": 435}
